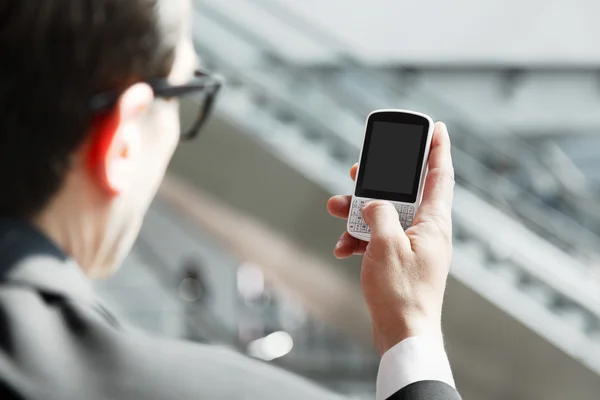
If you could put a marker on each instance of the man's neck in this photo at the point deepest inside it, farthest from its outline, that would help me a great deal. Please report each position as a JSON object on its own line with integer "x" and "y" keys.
{"x": 66, "y": 234}
{"x": 75, "y": 222}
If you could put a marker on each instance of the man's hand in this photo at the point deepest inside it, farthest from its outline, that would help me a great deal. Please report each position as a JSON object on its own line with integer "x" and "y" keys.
{"x": 404, "y": 274}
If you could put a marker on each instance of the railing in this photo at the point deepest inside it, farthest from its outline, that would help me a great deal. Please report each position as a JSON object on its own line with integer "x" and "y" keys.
{"x": 477, "y": 165}
{"x": 346, "y": 59}
{"x": 487, "y": 239}
{"x": 346, "y": 97}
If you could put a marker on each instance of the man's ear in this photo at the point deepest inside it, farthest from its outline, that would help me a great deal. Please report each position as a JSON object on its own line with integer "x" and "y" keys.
{"x": 116, "y": 143}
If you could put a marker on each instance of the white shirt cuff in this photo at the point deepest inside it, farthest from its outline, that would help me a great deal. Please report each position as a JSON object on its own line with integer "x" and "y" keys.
{"x": 412, "y": 360}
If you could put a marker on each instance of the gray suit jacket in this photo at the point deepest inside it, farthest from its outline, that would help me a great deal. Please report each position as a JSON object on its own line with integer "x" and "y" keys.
{"x": 58, "y": 342}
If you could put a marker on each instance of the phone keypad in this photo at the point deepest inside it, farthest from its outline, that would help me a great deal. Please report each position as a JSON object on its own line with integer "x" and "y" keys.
{"x": 357, "y": 224}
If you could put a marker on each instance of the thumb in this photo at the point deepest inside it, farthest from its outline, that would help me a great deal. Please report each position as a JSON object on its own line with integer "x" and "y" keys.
{"x": 382, "y": 218}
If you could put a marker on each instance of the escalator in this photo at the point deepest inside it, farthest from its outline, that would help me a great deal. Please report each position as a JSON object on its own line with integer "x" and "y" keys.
{"x": 505, "y": 267}
{"x": 511, "y": 173}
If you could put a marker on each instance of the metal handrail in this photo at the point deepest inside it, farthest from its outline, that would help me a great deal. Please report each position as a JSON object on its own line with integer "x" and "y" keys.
{"x": 344, "y": 52}
{"x": 567, "y": 240}
{"x": 533, "y": 265}
{"x": 525, "y": 253}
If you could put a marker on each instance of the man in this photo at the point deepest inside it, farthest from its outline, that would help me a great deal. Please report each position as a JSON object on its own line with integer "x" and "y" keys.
{"x": 88, "y": 124}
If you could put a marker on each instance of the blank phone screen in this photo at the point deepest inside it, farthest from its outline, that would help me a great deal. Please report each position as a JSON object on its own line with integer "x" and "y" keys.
{"x": 393, "y": 158}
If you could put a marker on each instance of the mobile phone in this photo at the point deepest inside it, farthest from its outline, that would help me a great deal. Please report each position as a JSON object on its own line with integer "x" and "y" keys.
{"x": 392, "y": 166}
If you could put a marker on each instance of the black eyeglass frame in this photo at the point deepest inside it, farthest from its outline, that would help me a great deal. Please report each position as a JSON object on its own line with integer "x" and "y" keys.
{"x": 203, "y": 82}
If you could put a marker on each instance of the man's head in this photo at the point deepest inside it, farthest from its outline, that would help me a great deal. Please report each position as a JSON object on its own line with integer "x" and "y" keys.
{"x": 87, "y": 178}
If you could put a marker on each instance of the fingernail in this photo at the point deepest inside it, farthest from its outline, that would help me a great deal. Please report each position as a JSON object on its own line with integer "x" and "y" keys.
{"x": 365, "y": 212}
{"x": 366, "y": 206}
{"x": 339, "y": 244}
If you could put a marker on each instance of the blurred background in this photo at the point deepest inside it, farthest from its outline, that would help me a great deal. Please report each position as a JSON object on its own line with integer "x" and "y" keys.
{"x": 237, "y": 248}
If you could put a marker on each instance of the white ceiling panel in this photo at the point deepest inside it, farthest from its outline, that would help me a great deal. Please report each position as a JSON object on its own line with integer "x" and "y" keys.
{"x": 522, "y": 32}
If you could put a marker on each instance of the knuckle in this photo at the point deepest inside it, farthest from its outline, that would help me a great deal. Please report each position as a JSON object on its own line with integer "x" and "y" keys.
{"x": 439, "y": 175}
{"x": 384, "y": 248}
{"x": 384, "y": 240}
{"x": 446, "y": 234}
{"x": 441, "y": 226}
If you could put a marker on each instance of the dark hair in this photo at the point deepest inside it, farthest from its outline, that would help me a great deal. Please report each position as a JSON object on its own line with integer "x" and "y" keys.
{"x": 55, "y": 55}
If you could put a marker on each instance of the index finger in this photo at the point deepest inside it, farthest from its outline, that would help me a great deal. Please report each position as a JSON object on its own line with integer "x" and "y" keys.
{"x": 439, "y": 185}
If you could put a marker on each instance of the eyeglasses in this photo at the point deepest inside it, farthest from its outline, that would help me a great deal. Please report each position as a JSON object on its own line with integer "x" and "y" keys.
{"x": 204, "y": 87}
